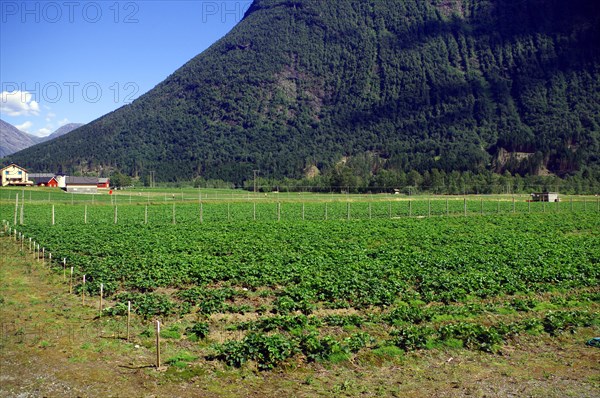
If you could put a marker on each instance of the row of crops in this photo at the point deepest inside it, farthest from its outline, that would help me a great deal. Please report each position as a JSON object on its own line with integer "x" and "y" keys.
{"x": 289, "y": 211}
{"x": 314, "y": 290}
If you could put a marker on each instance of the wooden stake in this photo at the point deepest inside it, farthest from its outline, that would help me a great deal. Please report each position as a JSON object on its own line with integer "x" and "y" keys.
{"x": 16, "y": 209}
{"x": 174, "y": 221}
{"x": 571, "y": 200}
{"x": 83, "y": 292}
{"x": 85, "y": 214}
{"x": 128, "y": 318}
{"x": 116, "y": 214}
{"x": 52, "y": 214}
{"x": 146, "y": 215}
{"x": 64, "y": 268}
{"x": 22, "y": 210}
{"x": 101, "y": 296}
{"x": 157, "y": 344}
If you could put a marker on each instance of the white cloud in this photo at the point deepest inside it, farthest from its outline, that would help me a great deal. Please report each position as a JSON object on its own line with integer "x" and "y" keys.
{"x": 25, "y": 126}
{"x": 43, "y": 132}
{"x": 63, "y": 122}
{"x": 50, "y": 116}
{"x": 18, "y": 103}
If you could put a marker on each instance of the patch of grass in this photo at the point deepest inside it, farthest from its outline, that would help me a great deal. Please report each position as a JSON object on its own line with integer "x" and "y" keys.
{"x": 388, "y": 352}
{"x": 339, "y": 357}
{"x": 184, "y": 373}
{"x": 78, "y": 359}
{"x": 453, "y": 343}
{"x": 544, "y": 306}
{"x": 172, "y": 332}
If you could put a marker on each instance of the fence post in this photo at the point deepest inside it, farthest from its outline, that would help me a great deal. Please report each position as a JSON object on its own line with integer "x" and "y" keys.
{"x": 22, "y": 216}
{"x": 101, "y": 296}
{"x": 128, "y": 318}
{"x": 16, "y": 208}
{"x": 157, "y": 344}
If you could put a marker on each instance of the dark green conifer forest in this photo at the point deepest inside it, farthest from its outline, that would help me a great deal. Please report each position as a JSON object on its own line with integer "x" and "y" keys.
{"x": 367, "y": 92}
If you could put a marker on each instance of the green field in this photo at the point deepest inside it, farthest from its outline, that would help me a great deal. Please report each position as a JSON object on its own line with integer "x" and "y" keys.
{"x": 277, "y": 281}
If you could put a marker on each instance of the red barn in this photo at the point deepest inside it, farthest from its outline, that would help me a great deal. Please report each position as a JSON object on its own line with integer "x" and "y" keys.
{"x": 44, "y": 179}
{"x": 103, "y": 183}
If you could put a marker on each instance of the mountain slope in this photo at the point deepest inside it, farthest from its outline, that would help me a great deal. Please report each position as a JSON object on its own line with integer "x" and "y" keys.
{"x": 13, "y": 140}
{"x": 67, "y": 128}
{"x": 445, "y": 84}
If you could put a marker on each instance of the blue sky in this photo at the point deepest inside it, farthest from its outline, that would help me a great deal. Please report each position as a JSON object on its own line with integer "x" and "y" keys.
{"x": 74, "y": 61}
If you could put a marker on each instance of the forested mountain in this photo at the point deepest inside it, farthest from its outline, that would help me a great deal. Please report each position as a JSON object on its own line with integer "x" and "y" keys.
{"x": 452, "y": 85}
{"x": 12, "y": 139}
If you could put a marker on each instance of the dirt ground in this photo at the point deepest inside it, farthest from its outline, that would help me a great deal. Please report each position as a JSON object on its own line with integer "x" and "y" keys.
{"x": 53, "y": 346}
